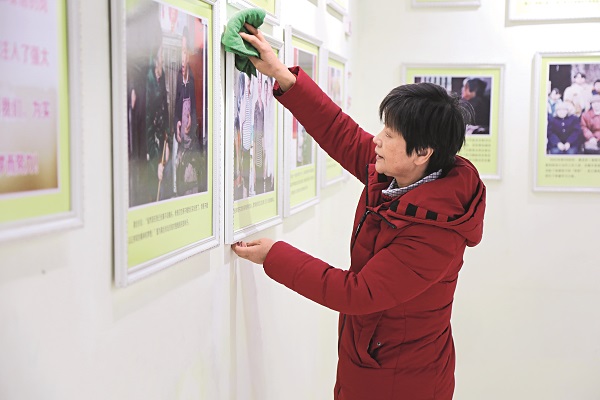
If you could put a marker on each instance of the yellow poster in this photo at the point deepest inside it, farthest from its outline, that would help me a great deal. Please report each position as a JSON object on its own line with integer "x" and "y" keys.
{"x": 35, "y": 180}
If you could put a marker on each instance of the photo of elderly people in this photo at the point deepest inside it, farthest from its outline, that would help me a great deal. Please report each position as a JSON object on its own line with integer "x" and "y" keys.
{"x": 167, "y": 103}
{"x": 573, "y": 109}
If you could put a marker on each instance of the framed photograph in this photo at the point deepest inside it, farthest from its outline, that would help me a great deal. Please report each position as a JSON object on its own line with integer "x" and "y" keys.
{"x": 165, "y": 133}
{"x": 272, "y": 7}
{"x": 552, "y": 10}
{"x": 567, "y": 117}
{"x": 301, "y": 161}
{"x": 40, "y": 148}
{"x": 481, "y": 86}
{"x": 253, "y": 152}
{"x": 341, "y": 6}
{"x": 331, "y": 171}
{"x": 446, "y": 3}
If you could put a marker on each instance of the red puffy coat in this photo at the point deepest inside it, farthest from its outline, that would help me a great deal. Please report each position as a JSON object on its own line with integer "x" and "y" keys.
{"x": 395, "y": 301}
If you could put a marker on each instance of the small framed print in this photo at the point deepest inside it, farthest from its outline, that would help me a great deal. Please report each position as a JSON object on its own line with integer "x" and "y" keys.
{"x": 272, "y": 8}
{"x": 331, "y": 171}
{"x": 446, "y": 3}
{"x": 166, "y": 153}
{"x": 552, "y": 10}
{"x": 40, "y": 145}
{"x": 301, "y": 161}
{"x": 567, "y": 118}
{"x": 481, "y": 86}
{"x": 253, "y": 152}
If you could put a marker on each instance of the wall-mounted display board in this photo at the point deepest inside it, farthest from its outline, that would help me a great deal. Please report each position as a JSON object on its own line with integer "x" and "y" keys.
{"x": 331, "y": 171}
{"x": 40, "y": 134}
{"x": 566, "y": 98}
{"x": 552, "y": 10}
{"x": 301, "y": 164}
{"x": 272, "y": 7}
{"x": 165, "y": 141}
{"x": 481, "y": 86}
{"x": 253, "y": 152}
{"x": 341, "y": 6}
{"x": 445, "y": 3}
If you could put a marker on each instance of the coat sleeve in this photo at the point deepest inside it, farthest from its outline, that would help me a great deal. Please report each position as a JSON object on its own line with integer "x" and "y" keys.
{"x": 586, "y": 127}
{"x": 336, "y": 133}
{"x": 398, "y": 273}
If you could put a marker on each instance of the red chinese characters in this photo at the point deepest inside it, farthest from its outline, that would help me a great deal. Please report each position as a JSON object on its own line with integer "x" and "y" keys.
{"x": 11, "y": 108}
{"x": 41, "y": 109}
{"x": 34, "y": 5}
{"x": 23, "y": 53}
{"x": 19, "y": 164}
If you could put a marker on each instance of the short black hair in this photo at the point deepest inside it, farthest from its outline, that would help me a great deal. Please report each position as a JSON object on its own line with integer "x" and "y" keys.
{"x": 477, "y": 85}
{"x": 427, "y": 116}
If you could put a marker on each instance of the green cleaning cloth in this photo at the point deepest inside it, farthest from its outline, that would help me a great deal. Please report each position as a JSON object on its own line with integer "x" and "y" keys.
{"x": 234, "y": 43}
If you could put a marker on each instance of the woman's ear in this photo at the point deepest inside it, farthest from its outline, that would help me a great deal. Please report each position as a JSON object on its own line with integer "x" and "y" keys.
{"x": 423, "y": 155}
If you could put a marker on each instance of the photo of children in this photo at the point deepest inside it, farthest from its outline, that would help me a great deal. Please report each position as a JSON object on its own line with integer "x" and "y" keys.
{"x": 573, "y": 126}
{"x": 254, "y": 135}
{"x": 476, "y": 90}
{"x": 167, "y": 103}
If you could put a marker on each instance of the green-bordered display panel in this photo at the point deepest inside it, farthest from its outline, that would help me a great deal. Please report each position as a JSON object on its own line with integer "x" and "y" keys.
{"x": 336, "y": 90}
{"x": 567, "y": 151}
{"x": 301, "y": 162}
{"x": 271, "y": 7}
{"x": 254, "y": 152}
{"x": 553, "y": 10}
{"x": 341, "y": 6}
{"x": 37, "y": 188}
{"x": 165, "y": 149}
{"x": 446, "y": 3}
{"x": 481, "y": 86}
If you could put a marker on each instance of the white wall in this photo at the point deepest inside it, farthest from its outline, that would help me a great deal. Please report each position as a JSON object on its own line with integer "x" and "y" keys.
{"x": 526, "y": 321}
{"x": 526, "y": 318}
{"x": 212, "y": 327}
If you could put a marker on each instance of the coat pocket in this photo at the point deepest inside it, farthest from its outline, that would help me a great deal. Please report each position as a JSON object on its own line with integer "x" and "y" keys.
{"x": 368, "y": 325}
{"x": 363, "y": 383}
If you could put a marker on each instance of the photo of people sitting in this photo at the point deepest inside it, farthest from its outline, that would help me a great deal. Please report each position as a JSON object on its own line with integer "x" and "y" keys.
{"x": 166, "y": 105}
{"x": 573, "y": 108}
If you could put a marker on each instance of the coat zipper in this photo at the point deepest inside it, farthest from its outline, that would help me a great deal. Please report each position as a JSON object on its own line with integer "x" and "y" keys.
{"x": 358, "y": 227}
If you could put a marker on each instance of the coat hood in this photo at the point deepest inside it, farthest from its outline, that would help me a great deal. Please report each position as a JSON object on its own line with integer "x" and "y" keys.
{"x": 454, "y": 201}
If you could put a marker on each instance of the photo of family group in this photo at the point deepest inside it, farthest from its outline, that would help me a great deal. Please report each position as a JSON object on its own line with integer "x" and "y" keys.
{"x": 476, "y": 90}
{"x": 573, "y": 108}
{"x": 167, "y": 103}
{"x": 254, "y": 135}
{"x": 305, "y": 145}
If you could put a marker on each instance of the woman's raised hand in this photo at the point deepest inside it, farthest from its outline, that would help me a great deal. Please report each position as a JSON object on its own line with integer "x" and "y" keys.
{"x": 268, "y": 63}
